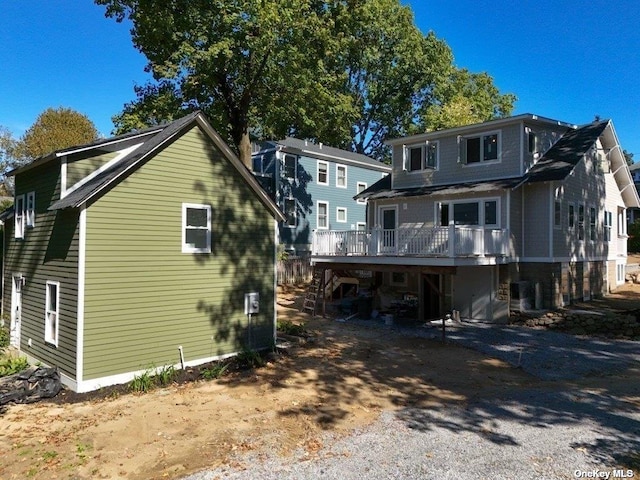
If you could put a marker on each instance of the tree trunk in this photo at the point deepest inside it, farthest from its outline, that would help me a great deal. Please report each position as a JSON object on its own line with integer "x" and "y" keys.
{"x": 244, "y": 150}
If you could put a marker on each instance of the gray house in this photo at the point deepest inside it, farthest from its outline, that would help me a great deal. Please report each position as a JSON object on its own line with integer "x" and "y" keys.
{"x": 518, "y": 212}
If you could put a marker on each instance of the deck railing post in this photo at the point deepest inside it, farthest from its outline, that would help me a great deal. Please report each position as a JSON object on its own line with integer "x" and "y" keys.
{"x": 452, "y": 240}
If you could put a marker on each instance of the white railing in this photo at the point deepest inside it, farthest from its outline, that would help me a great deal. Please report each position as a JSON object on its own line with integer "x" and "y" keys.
{"x": 450, "y": 241}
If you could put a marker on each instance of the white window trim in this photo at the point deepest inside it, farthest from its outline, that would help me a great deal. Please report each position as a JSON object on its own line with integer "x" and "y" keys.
{"x": 557, "y": 225}
{"x": 326, "y": 164}
{"x": 607, "y": 224}
{"x": 423, "y": 160}
{"x": 326, "y": 204}
{"x": 360, "y": 200}
{"x": 481, "y": 136}
{"x": 19, "y": 217}
{"x": 295, "y": 213}
{"x": 284, "y": 166}
{"x": 338, "y": 167}
{"x": 48, "y": 313}
{"x": 481, "y": 215}
{"x": 338, "y": 209}
{"x": 186, "y": 248}
{"x": 30, "y": 205}
{"x": 361, "y": 224}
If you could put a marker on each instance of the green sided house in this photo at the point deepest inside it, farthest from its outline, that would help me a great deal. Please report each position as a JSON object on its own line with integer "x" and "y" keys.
{"x": 144, "y": 250}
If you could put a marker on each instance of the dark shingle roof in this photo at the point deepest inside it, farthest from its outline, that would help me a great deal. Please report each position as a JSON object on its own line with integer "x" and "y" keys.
{"x": 564, "y": 155}
{"x": 382, "y": 188}
{"x": 103, "y": 181}
{"x": 321, "y": 150}
{"x": 96, "y": 184}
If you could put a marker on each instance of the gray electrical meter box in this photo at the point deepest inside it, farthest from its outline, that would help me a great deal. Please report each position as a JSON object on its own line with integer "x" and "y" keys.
{"x": 251, "y": 303}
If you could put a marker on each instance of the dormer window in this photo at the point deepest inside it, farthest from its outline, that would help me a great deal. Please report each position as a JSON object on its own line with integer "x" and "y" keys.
{"x": 422, "y": 156}
{"x": 480, "y": 148}
{"x": 290, "y": 166}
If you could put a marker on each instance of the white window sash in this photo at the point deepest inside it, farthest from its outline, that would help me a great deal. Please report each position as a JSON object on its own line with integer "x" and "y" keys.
{"x": 190, "y": 248}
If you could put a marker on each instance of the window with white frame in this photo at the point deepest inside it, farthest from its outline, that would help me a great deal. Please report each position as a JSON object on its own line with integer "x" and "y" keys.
{"x": 580, "y": 222}
{"x": 196, "y": 228}
{"x": 323, "y": 215}
{"x": 622, "y": 223}
{"x": 592, "y": 224}
{"x": 290, "y": 212}
{"x": 323, "y": 173}
{"x": 532, "y": 141}
{"x": 51, "y": 314}
{"x": 480, "y": 148}
{"x": 361, "y": 226}
{"x": 478, "y": 212}
{"x": 608, "y": 223}
{"x": 18, "y": 217}
{"x": 571, "y": 218}
{"x": 557, "y": 214}
{"x": 290, "y": 166}
{"x": 421, "y": 156}
{"x": 341, "y": 215}
{"x": 341, "y": 176}
{"x": 31, "y": 210}
{"x": 361, "y": 187}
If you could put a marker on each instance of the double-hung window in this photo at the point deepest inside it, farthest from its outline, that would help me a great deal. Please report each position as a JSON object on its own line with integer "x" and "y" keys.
{"x": 480, "y": 148}
{"x": 422, "y": 156}
{"x": 580, "y": 222}
{"x": 592, "y": 224}
{"x": 341, "y": 215}
{"x": 361, "y": 187}
{"x": 19, "y": 214}
{"x": 323, "y": 173}
{"x": 557, "y": 214}
{"x": 51, "y": 314}
{"x": 290, "y": 212}
{"x": 608, "y": 223}
{"x": 341, "y": 176}
{"x": 571, "y": 218}
{"x": 196, "y": 228}
{"x": 290, "y": 166}
{"x": 323, "y": 215}
{"x": 30, "y": 216}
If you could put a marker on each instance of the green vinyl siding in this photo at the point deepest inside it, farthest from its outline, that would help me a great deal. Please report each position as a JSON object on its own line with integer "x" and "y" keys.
{"x": 79, "y": 167}
{"x": 143, "y": 296}
{"x": 48, "y": 252}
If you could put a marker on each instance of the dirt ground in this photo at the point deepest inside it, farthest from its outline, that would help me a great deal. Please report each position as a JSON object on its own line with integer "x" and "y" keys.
{"x": 340, "y": 380}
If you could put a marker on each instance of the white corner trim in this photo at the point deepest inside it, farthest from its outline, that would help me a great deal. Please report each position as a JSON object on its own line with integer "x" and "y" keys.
{"x": 82, "y": 252}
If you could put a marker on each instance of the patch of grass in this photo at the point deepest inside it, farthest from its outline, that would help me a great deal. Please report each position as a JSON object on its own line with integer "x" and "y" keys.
{"x": 11, "y": 365}
{"x": 248, "y": 358}
{"x": 216, "y": 370}
{"x": 50, "y": 455}
{"x": 166, "y": 375}
{"x": 289, "y": 328}
{"x": 142, "y": 383}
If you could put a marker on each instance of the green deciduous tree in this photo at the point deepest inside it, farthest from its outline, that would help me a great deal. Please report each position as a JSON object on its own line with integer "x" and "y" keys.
{"x": 463, "y": 99}
{"x": 7, "y": 162}
{"x": 345, "y": 72}
{"x": 54, "y": 129}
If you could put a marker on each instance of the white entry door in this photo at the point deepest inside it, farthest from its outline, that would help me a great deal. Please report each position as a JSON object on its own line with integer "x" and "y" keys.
{"x": 16, "y": 311}
{"x": 388, "y": 219}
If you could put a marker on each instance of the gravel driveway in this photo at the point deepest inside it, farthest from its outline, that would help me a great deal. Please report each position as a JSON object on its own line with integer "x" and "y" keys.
{"x": 554, "y": 431}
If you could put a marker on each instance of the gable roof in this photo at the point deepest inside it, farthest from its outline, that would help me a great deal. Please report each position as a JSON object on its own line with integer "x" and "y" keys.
{"x": 155, "y": 142}
{"x": 564, "y": 155}
{"x": 325, "y": 152}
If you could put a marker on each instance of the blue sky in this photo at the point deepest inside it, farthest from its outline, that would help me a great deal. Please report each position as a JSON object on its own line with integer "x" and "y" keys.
{"x": 565, "y": 59}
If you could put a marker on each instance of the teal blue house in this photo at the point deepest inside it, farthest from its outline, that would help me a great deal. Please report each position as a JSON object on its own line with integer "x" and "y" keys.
{"x": 314, "y": 186}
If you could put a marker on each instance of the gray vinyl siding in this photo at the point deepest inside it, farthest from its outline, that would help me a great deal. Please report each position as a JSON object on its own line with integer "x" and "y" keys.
{"x": 451, "y": 171}
{"x": 585, "y": 186}
{"x": 79, "y": 166}
{"x": 516, "y": 222}
{"x": 144, "y": 297}
{"x": 49, "y": 252}
{"x": 536, "y": 218}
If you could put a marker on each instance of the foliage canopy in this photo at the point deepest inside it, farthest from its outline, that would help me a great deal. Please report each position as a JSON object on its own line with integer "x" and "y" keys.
{"x": 349, "y": 73}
